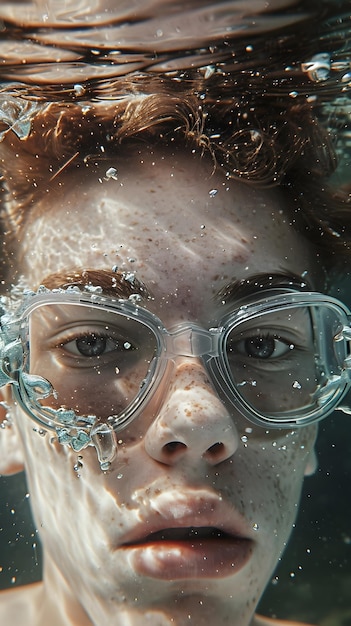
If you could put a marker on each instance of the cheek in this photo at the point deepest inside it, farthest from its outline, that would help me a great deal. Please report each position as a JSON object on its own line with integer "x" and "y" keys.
{"x": 267, "y": 478}
{"x": 68, "y": 499}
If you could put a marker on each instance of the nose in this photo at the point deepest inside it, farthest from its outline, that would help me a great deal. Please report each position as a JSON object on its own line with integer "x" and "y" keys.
{"x": 192, "y": 422}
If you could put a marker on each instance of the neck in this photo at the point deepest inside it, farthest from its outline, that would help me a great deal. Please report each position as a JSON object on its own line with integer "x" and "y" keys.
{"x": 57, "y": 605}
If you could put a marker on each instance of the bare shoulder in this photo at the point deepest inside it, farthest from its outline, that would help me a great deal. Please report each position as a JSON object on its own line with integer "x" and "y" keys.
{"x": 265, "y": 621}
{"x": 18, "y": 605}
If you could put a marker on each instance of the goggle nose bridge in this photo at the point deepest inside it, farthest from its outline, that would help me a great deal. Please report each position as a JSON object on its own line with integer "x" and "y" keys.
{"x": 190, "y": 340}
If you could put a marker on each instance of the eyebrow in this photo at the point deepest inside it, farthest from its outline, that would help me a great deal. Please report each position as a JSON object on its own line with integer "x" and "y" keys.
{"x": 239, "y": 289}
{"x": 114, "y": 283}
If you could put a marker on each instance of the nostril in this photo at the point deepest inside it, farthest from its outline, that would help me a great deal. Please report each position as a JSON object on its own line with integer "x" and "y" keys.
{"x": 216, "y": 448}
{"x": 215, "y": 452}
{"x": 174, "y": 448}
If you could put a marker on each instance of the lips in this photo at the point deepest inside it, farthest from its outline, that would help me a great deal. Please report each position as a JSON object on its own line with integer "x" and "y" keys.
{"x": 188, "y": 536}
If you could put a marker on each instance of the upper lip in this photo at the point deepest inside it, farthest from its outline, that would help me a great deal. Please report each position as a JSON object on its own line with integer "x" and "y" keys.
{"x": 175, "y": 515}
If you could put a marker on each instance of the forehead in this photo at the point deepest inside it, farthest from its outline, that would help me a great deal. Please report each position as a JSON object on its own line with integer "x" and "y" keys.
{"x": 168, "y": 218}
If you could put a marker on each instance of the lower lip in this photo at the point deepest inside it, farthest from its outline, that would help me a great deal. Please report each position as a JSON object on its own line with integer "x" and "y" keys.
{"x": 205, "y": 558}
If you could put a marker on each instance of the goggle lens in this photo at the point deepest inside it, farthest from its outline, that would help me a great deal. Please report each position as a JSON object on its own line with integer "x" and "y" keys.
{"x": 281, "y": 363}
{"x": 96, "y": 360}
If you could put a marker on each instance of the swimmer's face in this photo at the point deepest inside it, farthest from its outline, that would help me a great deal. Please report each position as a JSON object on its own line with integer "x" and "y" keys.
{"x": 195, "y": 510}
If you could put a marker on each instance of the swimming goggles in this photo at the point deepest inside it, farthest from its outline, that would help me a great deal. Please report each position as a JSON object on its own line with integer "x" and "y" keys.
{"x": 86, "y": 365}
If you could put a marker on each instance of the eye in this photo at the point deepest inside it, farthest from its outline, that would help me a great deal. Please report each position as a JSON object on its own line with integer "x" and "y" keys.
{"x": 94, "y": 345}
{"x": 261, "y": 347}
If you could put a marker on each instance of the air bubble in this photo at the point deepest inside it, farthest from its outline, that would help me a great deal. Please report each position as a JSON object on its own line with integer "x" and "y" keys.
{"x": 104, "y": 440}
{"x": 111, "y": 173}
{"x": 135, "y": 298}
{"x": 93, "y": 288}
{"x": 16, "y": 114}
{"x": 129, "y": 277}
{"x": 79, "y": 90}
{"x": 78, "y": 465}
{"x": 318, "y": 67}
{"x": 40, "y": 431}
{"x": 209, "y": 70}
{"x": 255, "y": 526}
{"x": 296, "y": 385}
{"x": 212, "y": 193}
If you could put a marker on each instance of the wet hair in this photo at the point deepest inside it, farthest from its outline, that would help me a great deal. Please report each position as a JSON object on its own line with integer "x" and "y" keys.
{"x": 258, "y": 140}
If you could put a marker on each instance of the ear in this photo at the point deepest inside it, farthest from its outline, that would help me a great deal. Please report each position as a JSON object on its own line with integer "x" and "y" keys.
{"x": 11, "y": 459}
{"x": 312, "y": 463}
